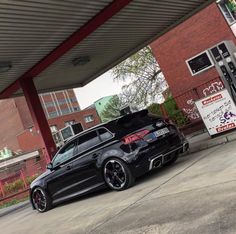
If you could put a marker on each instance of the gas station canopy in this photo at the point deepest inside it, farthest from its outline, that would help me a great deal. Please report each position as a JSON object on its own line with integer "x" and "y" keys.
{"x": 66, "y": 44}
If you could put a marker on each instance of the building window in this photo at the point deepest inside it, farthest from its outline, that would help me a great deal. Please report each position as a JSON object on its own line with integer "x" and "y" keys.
{"x": 70, "y": 122}
{"x": 228, "y": 9}
{"x": 76, "y": 108}
{"x": 65, "y": 111}
{"x": 52, "y": 114}
{"x": 53, "y": 128}
{"x": 49, "y": 104}
{"x": 73, "y": 99}
{"x": 62, "y": 101}
{"x": 89, "y": 118}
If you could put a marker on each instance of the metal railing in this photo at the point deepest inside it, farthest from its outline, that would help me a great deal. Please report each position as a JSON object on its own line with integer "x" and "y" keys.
{"x": 17, "y": 175}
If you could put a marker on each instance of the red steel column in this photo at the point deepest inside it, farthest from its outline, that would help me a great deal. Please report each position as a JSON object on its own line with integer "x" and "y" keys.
{"x": 38, "y": 116}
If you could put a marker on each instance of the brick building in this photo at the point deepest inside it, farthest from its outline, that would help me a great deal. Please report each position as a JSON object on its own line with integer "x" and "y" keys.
{"x": 17, "y": 130}
{"x": 59, "y": 103}
{"x": 201, "y": 31}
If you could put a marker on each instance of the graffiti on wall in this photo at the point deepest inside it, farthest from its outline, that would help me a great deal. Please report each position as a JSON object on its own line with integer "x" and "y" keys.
{"x": 191, "y": 112}
{"x": 213, "y": 88}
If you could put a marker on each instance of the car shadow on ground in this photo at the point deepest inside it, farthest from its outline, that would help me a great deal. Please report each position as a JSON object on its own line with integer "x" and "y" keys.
{"x": 153, "y": 174}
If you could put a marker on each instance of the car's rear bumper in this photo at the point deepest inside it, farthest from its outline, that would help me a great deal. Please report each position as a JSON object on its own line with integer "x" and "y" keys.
{"x": 153, "y": 158}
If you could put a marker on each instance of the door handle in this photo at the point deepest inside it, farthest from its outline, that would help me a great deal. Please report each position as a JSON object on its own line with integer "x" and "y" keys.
{"x": 68, "y": 167}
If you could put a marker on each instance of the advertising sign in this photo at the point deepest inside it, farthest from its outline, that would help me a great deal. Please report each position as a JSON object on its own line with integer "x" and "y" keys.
{"x": 199, "y": 63}
{"x": 218, "y": 112}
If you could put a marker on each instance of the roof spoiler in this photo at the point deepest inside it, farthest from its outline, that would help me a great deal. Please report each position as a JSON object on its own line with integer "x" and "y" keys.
{"x": 128, "y": 117}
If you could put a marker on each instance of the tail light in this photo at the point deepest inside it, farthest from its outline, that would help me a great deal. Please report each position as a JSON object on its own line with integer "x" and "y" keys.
{"x": 134, "y": 137}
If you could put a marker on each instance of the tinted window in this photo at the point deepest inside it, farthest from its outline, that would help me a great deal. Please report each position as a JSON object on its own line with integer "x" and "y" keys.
{"x": 104, "y": 134}
{"x": 65, "y": 153}
{"x": 87, "y": 141}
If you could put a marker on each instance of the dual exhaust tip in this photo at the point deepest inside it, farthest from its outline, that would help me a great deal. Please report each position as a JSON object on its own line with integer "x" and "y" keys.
{"x": 157, "y": 163}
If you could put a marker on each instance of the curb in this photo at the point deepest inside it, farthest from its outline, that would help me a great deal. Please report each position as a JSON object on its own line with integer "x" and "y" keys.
{"x": 203, "y": 145}
{"x": 8, "y": 210}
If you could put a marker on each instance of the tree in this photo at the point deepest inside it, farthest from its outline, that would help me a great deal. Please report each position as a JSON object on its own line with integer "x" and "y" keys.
{"x": 112, "y": 109}
{"x": 145, "y": 81}
{"x": 173, "y": 112}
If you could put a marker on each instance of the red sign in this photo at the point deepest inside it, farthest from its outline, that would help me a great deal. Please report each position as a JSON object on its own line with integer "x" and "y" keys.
{"x": 225, "y": 127}
{"x": 212, "y": 99}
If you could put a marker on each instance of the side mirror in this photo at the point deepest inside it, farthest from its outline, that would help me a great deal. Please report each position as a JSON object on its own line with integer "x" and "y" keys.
{"x": 49, "y": 166}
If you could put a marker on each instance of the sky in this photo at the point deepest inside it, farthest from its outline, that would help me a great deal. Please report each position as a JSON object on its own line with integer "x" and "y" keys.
{"x": 98, "y": 88}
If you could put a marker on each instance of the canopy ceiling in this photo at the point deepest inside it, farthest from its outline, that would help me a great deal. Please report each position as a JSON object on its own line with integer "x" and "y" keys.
{"x": 42, "y": 39}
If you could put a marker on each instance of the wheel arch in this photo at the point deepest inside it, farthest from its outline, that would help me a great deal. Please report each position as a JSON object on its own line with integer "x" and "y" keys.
{"x": 108, "y": 154}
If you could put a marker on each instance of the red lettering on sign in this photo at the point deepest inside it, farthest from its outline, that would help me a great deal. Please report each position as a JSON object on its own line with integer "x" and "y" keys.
{"x": 225, "y": 127}
{"x": 212, "y": 99}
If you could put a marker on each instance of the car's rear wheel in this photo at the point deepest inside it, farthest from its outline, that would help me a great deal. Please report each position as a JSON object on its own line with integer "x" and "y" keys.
{"x": 117, "y": 174}
{"x": 41, "y": 201}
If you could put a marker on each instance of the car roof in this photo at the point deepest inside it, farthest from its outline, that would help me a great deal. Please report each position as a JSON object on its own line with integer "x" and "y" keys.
{"x": 109, "y": 123}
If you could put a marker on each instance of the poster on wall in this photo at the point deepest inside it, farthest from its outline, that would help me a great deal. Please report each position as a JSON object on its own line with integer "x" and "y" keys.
{"x": 218, "y": 112}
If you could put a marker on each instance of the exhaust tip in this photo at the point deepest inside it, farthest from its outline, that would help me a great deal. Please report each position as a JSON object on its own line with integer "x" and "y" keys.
{"x": 157, "y": 164}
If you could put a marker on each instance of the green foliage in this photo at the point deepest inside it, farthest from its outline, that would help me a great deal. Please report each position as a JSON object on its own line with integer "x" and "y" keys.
{"x": 178, "y": 117}
{"x": 144, "y": 79}
{"x": 30, "y": 179}
{"x": 155, "y": 109}
{"x": 112, "y": 109}
{"x": 10, "y": 203}
{"x": 173, "y": 112}
{"x": 14, "y": 186}
{"x": 13, "y": 202}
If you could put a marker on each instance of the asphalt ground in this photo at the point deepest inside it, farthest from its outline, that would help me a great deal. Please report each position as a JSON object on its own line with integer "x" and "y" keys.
{"x": 195, "y": 195}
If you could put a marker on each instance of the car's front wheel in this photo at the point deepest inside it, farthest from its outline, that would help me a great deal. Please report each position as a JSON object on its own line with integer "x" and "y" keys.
{"x": 41, "y": 201}
{"x": 117, "y": 174}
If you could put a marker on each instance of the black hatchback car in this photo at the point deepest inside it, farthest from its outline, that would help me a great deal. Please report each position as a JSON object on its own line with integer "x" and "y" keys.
{"x": 111, "y": 154}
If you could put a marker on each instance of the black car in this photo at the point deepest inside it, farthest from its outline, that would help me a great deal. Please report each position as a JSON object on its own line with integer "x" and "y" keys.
{"x": 111, "y": 154}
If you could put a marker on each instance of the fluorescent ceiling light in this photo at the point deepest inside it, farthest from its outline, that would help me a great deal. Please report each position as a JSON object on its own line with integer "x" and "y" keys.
{"x": 80, "y": 61}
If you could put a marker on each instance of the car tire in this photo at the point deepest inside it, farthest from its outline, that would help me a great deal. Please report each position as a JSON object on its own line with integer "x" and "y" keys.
{"x": 176, "y": 156}
{"x": 41, "y": 200}
{"x": 117, "y": 174}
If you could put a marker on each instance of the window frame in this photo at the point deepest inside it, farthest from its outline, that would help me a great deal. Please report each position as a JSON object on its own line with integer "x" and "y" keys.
{"x": 69, "y": 122}
{"x": 79, "y": 154}
{"x": 68, "y": 160}
{"x": 53, "y": 127}
{"x": 230, "y": 13}
{"x": 89, "y": 116}
{"x": 112, "y": 134}
{"x": 78, "y": 141}
{"x": 101, "y": 142}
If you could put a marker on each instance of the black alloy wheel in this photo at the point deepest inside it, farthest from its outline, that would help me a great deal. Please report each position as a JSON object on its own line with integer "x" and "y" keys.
{"x": 117, "y": 175}
{"x": 41, "y": 200}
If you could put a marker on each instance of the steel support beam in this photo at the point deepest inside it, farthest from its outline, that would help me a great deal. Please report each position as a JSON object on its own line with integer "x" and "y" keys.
{"x": 78, "y": 36}
{"x": 38, "y": 116}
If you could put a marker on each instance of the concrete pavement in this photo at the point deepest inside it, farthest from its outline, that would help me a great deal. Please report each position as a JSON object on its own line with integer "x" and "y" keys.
{"x": 13, "y": 208}
{"x": 195, "y": 195}
{"x": 201, "y": 140}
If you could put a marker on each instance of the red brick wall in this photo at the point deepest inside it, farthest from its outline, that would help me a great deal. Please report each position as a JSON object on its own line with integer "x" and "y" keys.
{"x": 78, "y": 117}
{"x": 11, "y": 124}
{"x": 30, "y": 140}
{"x": 24, "y": 112}
{"x": 201, "y": 31}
